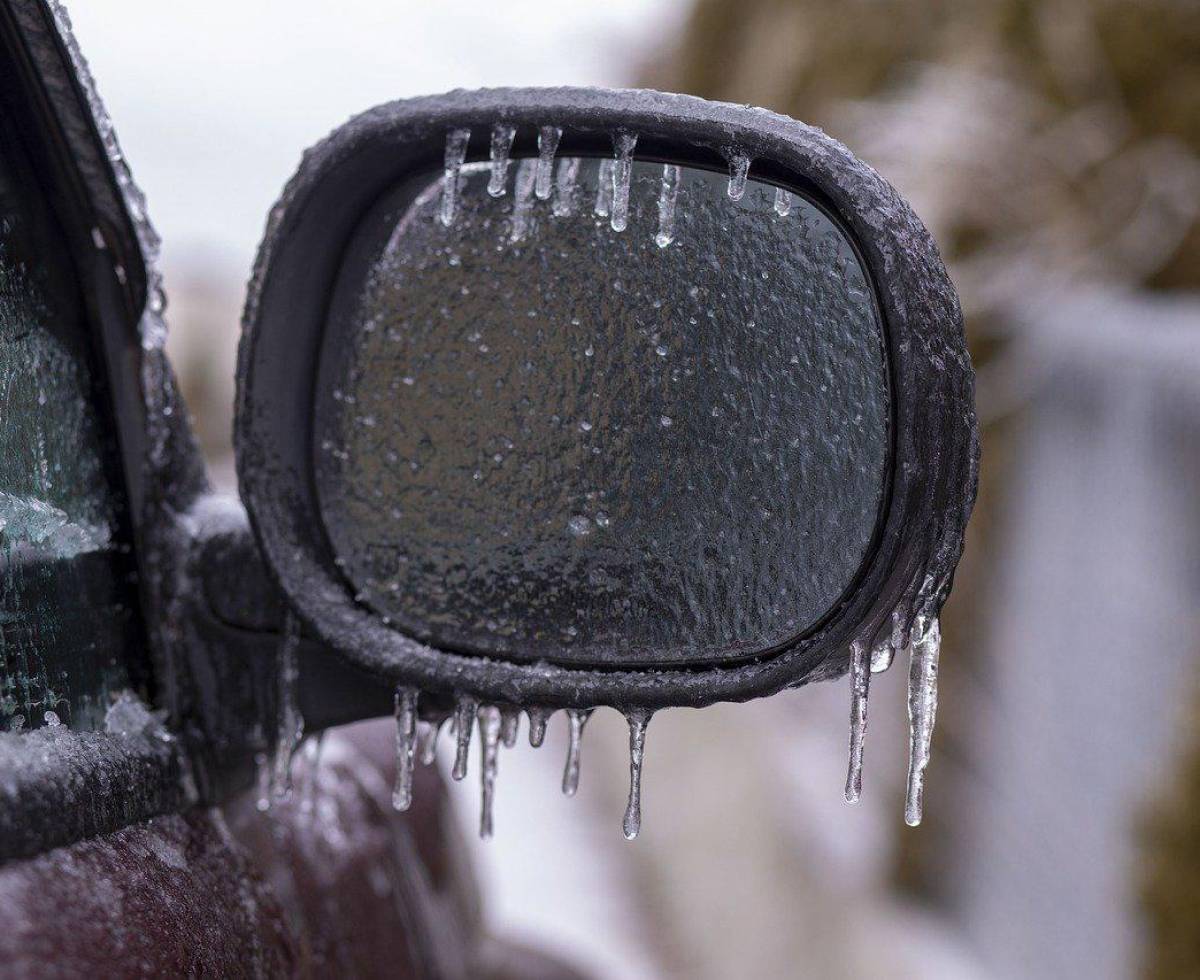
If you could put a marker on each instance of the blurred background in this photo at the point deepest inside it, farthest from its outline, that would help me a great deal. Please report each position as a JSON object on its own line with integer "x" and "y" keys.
{"x": 1053, "y": 149}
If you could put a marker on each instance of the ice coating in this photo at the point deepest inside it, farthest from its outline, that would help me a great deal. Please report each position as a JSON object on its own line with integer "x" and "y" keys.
{"x": 456, "y": 152}
{"x": 739, "y": 169}
{"x": 406, "y": 744}
{"x": 623, "y": 145}
{"x": 499, "y": 150}
{"x": 860, "y": 684}
{"x": 548, "y": 137}
{"x": 666, "y": 205}
{"x": 576, "y": 718}
{"x": 289, "y": 725}
{"x": 922, "y": 710}
{"x": 489, "y": 754}
{"x": 569, "y": 447}
{"x": 465, "y": 708}
{"x": 638, "y": 721}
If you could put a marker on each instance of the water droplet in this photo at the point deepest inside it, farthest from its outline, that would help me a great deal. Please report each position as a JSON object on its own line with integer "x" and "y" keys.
{"x": 464, "y": 720}
{"x": 489, "y": 757}
{"x": 783, "y": 202}
{"x": 638, "y": 720}
{"x": 667, "y": 196}
{"x": 51, "y": 719}
{"x": 501, "y": 147}
{"x": 406, "y": 743}
{"x": 576, "y": 718}
{"x": 860, "y": 684}
{"x": 922, "y": 711}
{"x": 665, "y": 421}
{"x": 739, "y": 169}
{"x": 579, "y": 526}
{"x": 623, "y": 144}
{"x": 456, "y": 152}
{"x": 548, "y": 137}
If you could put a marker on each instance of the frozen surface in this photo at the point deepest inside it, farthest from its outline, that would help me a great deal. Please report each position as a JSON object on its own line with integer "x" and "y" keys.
{"x": 552, "y": 439}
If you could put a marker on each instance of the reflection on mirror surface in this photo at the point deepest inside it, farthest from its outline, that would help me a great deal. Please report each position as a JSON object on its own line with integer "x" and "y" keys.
{"x": 541, "y": 437}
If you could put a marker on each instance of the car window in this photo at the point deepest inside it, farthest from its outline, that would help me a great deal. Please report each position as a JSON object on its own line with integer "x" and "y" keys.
{"x": 68, "y": 614}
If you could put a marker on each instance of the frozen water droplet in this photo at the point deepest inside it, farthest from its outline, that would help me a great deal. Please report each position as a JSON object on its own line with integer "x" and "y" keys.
{"x": 638, "y": 720}
{"x": 537, "y": 726}
{"x": 548, "y": 137}
{"x": 522, "y": 217}
{"x": 860, "y": 685}
{"x": 428, "y": 732}
{"x": 739, "y": 169}
{"x": 289, "y": 725}
{"x": 667, "y": 196}
{"x": 51, "y": 719}
{"x": 510, "y": 722}
{"x": 783, "y": 202}
{"x": 501, "y": 147}
{"x": 456, "y": 152}
{"x": 406, "y": 744}
{"x": 464, "y": 720}
{"x": 489, "y": 732}
{"x": 262, "y": 781}
{"x": 604, "y": 187}
{"x": 564, "y": 186}
{"x": 579, "y": 526}
{"x": 576, "y": 718}
{"x": 922, "y": 711}
{"x": 623, "y": 144}
{"x": 881, "y": 656}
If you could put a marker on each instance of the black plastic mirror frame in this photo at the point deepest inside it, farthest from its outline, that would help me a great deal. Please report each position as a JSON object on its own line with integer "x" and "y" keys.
{"x": 935, "y": 441}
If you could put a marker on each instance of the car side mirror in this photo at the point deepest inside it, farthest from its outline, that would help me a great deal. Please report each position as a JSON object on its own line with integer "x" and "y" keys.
{"x": 562, "y": 398}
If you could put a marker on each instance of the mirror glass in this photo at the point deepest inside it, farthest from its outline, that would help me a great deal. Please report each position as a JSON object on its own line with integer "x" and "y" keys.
{"x": 541, "y": 438}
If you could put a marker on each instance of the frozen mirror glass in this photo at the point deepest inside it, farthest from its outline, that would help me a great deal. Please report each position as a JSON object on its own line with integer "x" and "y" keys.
{"x": 552, "y": 424}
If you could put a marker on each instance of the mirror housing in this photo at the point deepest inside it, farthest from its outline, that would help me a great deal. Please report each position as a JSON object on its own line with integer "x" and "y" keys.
{"x": 932, "y": 445}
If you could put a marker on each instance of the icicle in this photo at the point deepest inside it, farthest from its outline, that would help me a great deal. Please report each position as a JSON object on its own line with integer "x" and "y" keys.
{"x": 548, "y": 137}
{"x": 604, "y": 187}
{"x": 489, "y": 731}
{"x": 312, "y": 770}
{"x": 922, "y": 710}
{"x": 406, "y": 743}
{"x": 289, "y": 725}
{"x": 783, "y": 202}
{"x": 739, "y": 167}
{"x": 537, "y": 726}
{"x": 456, "y": 152}
{"x": 522, "y": 216}
{"x": 262, "y": 772}
{"x": 464, "y": 720}
{"x": 638, "y": 720}
{"x": 623, "y": 144}
{"x": 510, "y": 721}
{"x": 502, "y": 141}
{"x": 427, "y": 739}
{"x": 860, "y": 687}
{"x": 666, "y": 205}
{"x": 564, "y": 186}
{"x": 577, "y": 718}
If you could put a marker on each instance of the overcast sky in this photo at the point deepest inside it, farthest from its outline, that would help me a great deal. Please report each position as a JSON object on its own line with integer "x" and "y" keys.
{"x": 215, "y": 101}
